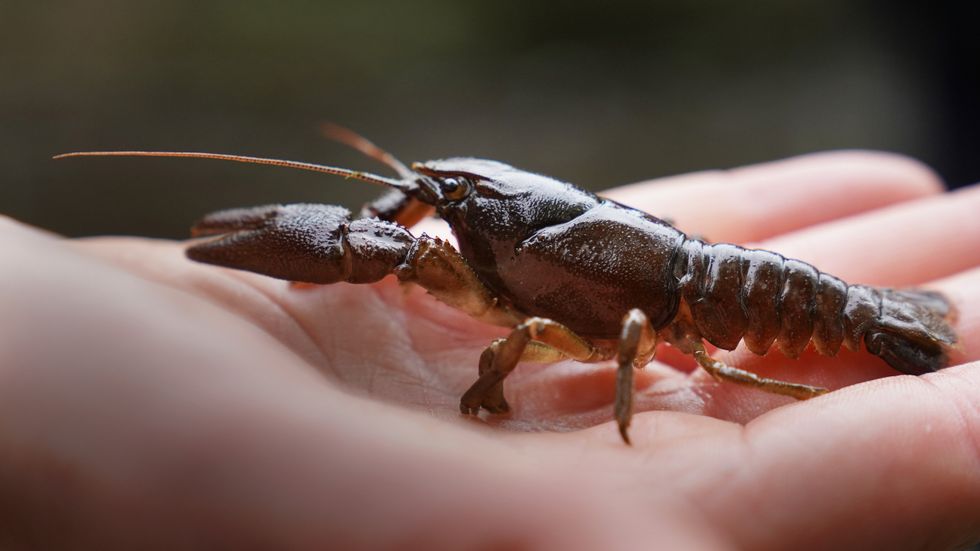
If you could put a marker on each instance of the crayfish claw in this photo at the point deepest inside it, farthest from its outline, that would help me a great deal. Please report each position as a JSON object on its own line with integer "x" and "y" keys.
{"x": 304, "y": 242}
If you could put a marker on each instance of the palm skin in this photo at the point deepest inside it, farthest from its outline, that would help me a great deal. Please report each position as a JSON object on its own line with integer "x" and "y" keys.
{"x": 147, "y": 400}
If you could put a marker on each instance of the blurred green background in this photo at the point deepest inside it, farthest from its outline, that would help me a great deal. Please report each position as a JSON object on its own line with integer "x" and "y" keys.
{"x": 597, "y": 94}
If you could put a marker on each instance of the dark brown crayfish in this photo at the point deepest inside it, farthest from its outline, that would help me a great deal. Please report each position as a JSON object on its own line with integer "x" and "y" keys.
{"x": 575, "y": 275}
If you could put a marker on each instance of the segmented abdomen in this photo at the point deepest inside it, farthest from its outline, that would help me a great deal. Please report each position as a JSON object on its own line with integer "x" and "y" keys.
{"x": 759, "y": 296}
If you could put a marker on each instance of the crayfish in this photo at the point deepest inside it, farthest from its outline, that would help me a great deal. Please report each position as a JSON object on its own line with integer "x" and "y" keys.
{"x": 574, "y": 275}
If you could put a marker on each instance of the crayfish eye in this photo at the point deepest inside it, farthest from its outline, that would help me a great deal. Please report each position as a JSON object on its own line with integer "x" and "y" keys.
{"x": 455, "y": 189}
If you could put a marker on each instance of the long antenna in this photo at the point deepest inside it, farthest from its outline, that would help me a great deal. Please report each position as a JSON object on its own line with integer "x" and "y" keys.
{"x": 358, "y": 142}
{"x": 347, "y": 173}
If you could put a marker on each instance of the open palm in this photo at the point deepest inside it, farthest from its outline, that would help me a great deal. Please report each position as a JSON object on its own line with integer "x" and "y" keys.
{"x": 148, "y": 400}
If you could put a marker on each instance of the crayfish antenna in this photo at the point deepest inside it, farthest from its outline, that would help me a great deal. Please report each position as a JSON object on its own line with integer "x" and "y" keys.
{"x": 406, "y": 185}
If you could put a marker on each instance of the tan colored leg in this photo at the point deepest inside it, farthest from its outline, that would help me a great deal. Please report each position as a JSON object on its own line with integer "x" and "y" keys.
{"x": 723, "y": 372}
{"x": 536, "y": 339}
{"x": 637, "y": 346}
{"x": 439, "y": 268}
{"x": 493, "y": 400}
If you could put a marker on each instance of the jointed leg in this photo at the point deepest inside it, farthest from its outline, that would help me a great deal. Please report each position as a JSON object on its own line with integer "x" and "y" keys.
{"x": 637, "y": 345}
{"x": 439, "y": 268}
{"x": 536, "y": 339}
{"x": 723, "y": 372}
{"x": 442, "y": 271}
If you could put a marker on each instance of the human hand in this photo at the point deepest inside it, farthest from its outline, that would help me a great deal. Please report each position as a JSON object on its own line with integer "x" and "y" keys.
{"x": 147, "y": 400}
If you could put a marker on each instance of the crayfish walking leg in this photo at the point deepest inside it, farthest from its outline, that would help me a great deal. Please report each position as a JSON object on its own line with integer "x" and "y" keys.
{"x": 723, "y": 372}
{"x": 536, "y": 340}
{"x": 637, "y": 346}
{"x": 546, "y": 341}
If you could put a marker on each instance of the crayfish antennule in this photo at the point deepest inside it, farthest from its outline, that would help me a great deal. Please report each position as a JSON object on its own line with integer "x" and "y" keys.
{"x": 358, "y": 142}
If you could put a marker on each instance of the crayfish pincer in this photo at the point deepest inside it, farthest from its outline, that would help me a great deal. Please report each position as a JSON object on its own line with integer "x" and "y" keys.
{"x": 574, "y": 275}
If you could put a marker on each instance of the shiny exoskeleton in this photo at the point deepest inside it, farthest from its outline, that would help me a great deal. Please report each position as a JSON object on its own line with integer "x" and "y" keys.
{"x": 575, "y": 275}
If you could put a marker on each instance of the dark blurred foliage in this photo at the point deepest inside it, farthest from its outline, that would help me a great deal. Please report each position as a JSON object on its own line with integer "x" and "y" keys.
{"x": 598, "y": 94}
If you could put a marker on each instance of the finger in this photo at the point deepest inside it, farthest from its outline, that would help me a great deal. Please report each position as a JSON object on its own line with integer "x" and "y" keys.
{"x": 904, "y": 450}
{"x": 902, "y": 245}
{"x": 758, "y": 202}
{"x": 889, "y": 464}
{"x": 964, "y": 291}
